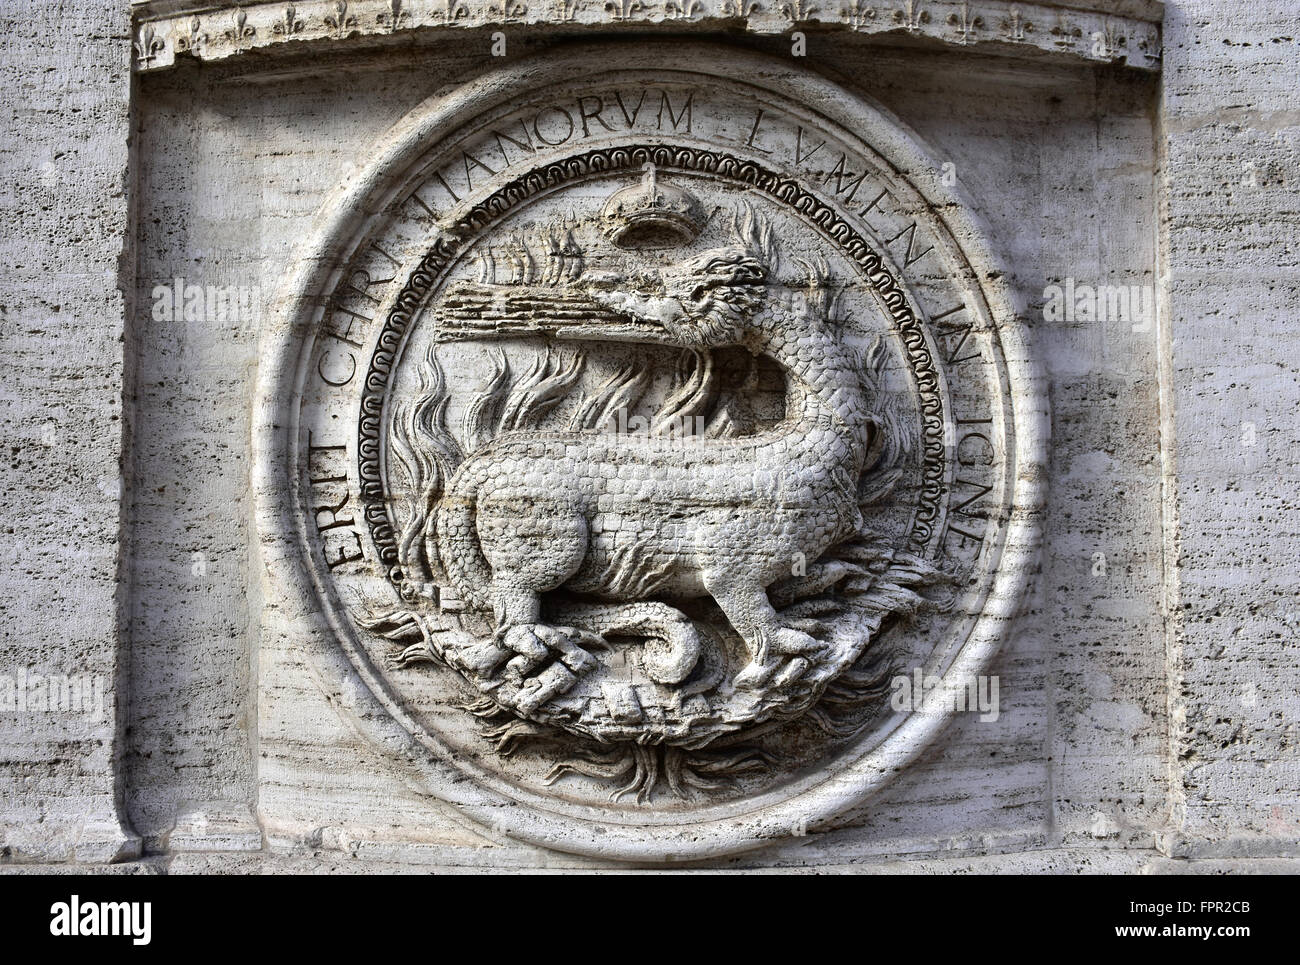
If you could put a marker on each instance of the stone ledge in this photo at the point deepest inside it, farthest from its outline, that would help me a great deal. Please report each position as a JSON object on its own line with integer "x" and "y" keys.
{"x": 1118, "y": 31}
{"x": 1241, "y": 847}
{"x": 216, "y": 826}
{"x": 103, "y": 839}
{"x": 1047, "y": 861}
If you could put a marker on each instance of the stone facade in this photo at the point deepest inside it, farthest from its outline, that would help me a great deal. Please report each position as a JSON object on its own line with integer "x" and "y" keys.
{"x": 991, "y": 282}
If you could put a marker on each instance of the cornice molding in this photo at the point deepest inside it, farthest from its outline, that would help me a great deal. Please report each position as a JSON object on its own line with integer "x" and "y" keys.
{"x": 1118, "y": 31}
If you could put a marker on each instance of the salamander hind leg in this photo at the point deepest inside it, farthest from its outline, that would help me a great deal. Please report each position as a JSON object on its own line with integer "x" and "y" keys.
{"x": 773, "y": 649}
{"x": 532, "y": 548}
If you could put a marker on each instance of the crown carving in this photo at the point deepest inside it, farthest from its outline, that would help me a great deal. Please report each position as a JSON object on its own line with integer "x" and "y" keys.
{"x": 652, "y": 214}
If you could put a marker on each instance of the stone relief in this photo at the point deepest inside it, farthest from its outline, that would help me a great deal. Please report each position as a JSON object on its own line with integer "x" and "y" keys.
{"x": 650, "y": 428}
{"x": 562, "y": 547}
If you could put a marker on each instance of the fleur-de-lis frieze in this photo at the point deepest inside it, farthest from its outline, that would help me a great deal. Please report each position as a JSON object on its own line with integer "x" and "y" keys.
{"x": 798, "y": 10}
{"x": 1107, "y": 43}
{"x": 289, "y": 23}
{"x": 857, "y": 13}
{"x": 148, "y": 45}
{"x": 192, "y": 39}
{"x": 393, "y": 17}
{"x": 1017, "y": 26}
{"x": 912, "y": 15}
{"x": 451, "y": 10}
{"x": 682, "y": 9}
{"x": 1112, "y": 39}
{"x": 966, "y": 24}
{"x": 624, "y": 9}
{"x": 242, "y": 31}
{"x": 1150, "y": 47}
{"x": 340, "y": 21}
{"x": 1067, "y": 34}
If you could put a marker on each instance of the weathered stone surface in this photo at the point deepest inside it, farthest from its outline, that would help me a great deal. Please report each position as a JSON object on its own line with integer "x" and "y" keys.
{"x": 68, "y": 278}
{"x": 1233, "y": 490}
{"x": 271, "y": 703}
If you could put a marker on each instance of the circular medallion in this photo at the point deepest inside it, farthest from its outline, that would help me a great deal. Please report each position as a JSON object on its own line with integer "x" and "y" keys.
{"x": 635, "y": 431}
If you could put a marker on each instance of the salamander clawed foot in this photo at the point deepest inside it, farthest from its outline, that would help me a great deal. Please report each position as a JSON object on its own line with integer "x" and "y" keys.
{"x": 781, "y": 672}
{"x": 790, "y": 642}
{"x": 534, "y": 643}
{"x": 791, "y": 654}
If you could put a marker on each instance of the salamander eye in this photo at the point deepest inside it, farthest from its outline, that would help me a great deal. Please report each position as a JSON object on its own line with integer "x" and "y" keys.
{"x": 698, "y": 293}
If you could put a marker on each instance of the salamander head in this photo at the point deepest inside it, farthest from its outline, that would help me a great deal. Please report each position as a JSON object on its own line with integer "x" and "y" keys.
{"x": 707, "y": 300}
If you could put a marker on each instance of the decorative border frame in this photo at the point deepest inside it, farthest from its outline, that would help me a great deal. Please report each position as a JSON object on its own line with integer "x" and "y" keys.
{"x": 328, "y": 644}
{"x": 1100, "y": 31}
